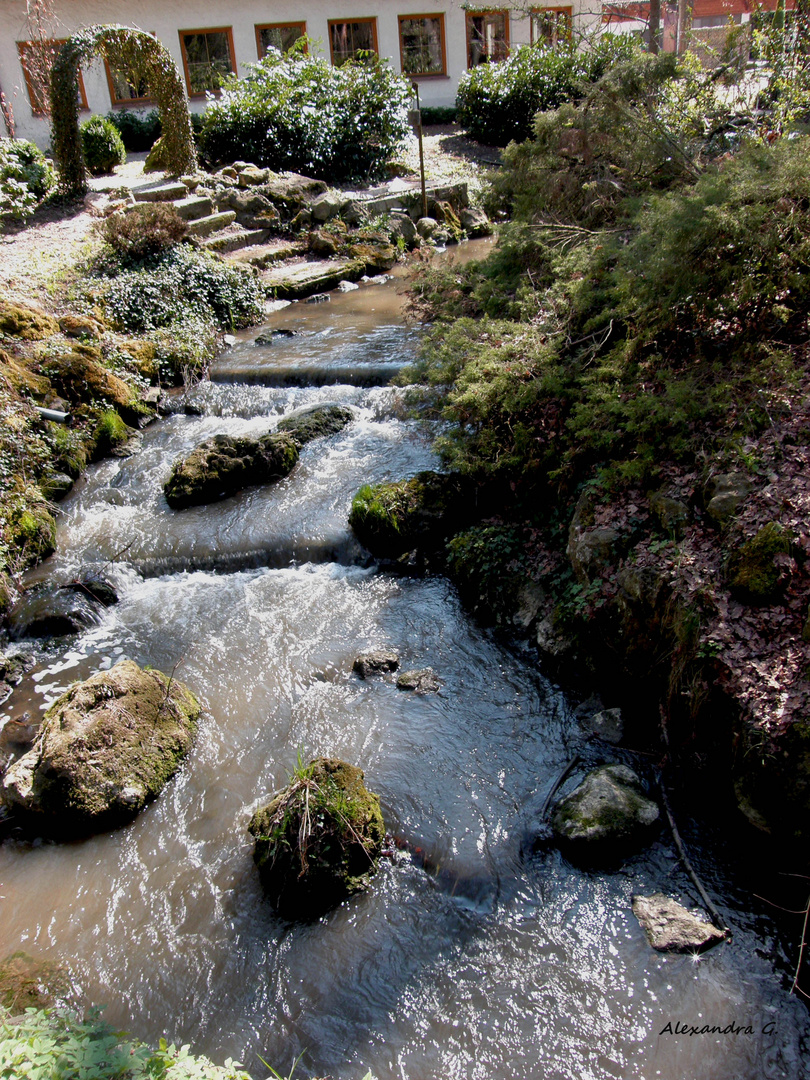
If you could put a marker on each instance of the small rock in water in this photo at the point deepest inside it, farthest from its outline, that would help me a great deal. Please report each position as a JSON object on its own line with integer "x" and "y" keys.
{"x": 375, "y": 663}
{"x": 319, "y": 298}
{"x": 275, "y": 305}
{"x": 229, "y": 340}
{"x": 671, "y": 928}
{"x": 606, "y": 724}
{"x": 422, "y": 681}
{"x": 347, "y": 286}
{"x": 608, "y": 811}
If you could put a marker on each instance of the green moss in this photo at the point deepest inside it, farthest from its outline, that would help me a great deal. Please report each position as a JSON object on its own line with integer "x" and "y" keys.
{"x": 26, "y": 322}
{"x": 752, "y": 571}
{"x": 32, "y": 529}
{"x": 111, "y": 433}
{"x": 221, "y": 466}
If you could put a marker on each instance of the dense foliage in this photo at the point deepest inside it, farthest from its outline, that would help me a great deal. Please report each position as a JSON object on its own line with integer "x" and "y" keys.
{"x": 25, "y": 178}
{"x": 296, "y": 111}
{"x": 146, "y": 229}
{"x": 497, "y": 102}
{"x": 102, "y": 146}
{"x": 139, "y": 131}
{"x": 180, "y": 283}
{"x": 650, "y": 317}
{"x": 133, "y": 51}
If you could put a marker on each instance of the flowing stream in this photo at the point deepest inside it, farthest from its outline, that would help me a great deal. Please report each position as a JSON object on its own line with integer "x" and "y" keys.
{"x": 492, "y": 961}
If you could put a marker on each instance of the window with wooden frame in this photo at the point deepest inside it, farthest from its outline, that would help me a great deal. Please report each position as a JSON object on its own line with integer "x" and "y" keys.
{"x": 36, "y": 61}
{"x": 127, "y": 87}
{"x": 487, "y": 37}
{"x": 208, "y": 58}
{"x": 281, "y": 36}
{"x": 551, "y": 25}
{"x": 348, "y": 38}
{"x": 421, "y": 45}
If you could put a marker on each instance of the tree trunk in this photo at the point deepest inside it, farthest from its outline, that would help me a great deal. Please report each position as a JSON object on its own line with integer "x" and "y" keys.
{"x": 655, "y": 25}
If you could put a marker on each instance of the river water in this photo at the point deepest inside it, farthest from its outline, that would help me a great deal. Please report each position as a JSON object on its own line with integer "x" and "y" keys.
{"x": 500, "y": 962}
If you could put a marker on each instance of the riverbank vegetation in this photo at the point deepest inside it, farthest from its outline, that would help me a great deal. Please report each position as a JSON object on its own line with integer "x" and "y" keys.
{"x": 626, "y": 377}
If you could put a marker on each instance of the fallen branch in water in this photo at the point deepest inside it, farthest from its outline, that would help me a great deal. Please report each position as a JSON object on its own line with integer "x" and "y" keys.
{"x": 572, "y": 764}
{"x": 676, "y": 836}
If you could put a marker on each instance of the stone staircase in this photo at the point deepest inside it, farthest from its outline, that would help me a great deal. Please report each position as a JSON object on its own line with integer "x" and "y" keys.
{"x": 216, "y": 228}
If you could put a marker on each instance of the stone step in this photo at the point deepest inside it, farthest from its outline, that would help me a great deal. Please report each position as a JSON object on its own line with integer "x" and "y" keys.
{"x": 160, "y": 192}
{"x": 193, "y": 207}
{"x": 295, "y": 281}
{"x": 235, "y": 239}
{"x": 264, "y": 255}
{"x": 204, "y": 226}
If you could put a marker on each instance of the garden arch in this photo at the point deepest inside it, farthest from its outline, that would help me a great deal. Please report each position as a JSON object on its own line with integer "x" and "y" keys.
{"x": 139, "y": 53}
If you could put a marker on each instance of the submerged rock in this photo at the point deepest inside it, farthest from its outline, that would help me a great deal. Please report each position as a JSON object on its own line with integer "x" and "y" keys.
{"x": 319, "y": 840}
{"x": 671, "y": 928}
{"x": 377, "y": 662}
{"x": 53, "y": 612}
{"x": 104, "y": 750}
{"x": 607, "y": 812}
{"x": 225, "y": 464}
{"x": 315, "y": 422}
{"x": 422, "y": 681}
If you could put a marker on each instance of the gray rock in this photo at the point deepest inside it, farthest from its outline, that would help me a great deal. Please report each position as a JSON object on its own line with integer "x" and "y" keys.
{"x": 347, "y": 286}
{"x": 400, "y": 226}
{"x": 377, "y": 662}
{"x": 56, "y": 486}
{"x": 422, "y": 681}
{"x": 426, "y": 227}
{"x": 673, "y": 515}
{"x": 727, "y": 492}
{"x": 251, "y": 176}
{"x": 590, "y": 550}
{"x": 608, "y": 810}
{"x": 53, "y": 612}
{"x": 327, "y": 206}
{"x": 606, "y": 724}
{"x": 355, "y": 213}
{"x": 475, "y": 222}
{"x": 671, "y": 928}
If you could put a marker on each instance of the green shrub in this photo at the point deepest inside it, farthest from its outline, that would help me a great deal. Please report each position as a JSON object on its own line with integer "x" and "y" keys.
{"x": 138, "y": 131}
{"x": 298, "y": 112}
{"x": 146, "y": 229}
{"x": 180, "y": 283}
{"x": 25, "y": 178}
{"x": 102, "y": 145}
{"x": 497, "y": 102}
{"x": 438, "y": 114}
{"x": 55, "y": 1045}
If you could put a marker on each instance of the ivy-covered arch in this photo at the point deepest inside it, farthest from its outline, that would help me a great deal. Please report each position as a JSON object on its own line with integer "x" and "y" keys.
{"x": 135, "y": 52}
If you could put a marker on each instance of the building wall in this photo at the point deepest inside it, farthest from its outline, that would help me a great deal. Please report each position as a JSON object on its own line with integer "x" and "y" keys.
{"x": 166, "y": 18}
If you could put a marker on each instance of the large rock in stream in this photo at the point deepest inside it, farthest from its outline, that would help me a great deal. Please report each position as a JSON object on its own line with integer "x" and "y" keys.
{"x": 608, "y": 814}
{"x": 319, "y": 840}
{"x": 104, "y": 750}
{"x": 221, "y": 466}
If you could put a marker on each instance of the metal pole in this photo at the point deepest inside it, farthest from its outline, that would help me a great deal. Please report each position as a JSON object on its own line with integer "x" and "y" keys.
{"x": 421, "y": 151}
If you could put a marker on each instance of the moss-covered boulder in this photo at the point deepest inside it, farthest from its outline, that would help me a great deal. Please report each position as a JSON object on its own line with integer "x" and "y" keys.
{"x": 221, "y": 466}
{"x": 607, "y": 814}
{"x": 80, "y": 326}
{"x": 754, "y": 571}
{"x": 31, "y": 528}
{"x": 18, "y": 377}
{"x": 319, "y": 840}
{"x": 417, "y": 514}
{"x": 315, "y": 422}
{"x": 26, "y": 321}
{"x": 104, "y": 750}
{"x": 80, "y": 376}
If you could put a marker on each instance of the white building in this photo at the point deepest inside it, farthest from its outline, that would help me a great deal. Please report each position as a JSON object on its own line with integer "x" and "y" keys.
{"x": 431, "y": 41}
